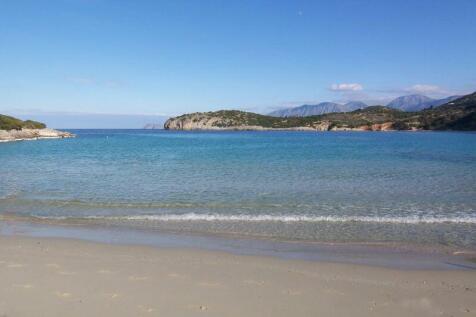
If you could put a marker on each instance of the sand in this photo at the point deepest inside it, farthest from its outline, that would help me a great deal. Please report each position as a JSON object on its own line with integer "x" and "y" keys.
{"x": 60, "y": 277}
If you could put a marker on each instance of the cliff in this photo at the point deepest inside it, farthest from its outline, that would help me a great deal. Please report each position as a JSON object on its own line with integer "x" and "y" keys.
{"x": 459, "y": 114}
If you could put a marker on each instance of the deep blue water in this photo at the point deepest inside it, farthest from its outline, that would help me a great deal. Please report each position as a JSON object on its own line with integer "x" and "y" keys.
{"x": 341, "y": 186}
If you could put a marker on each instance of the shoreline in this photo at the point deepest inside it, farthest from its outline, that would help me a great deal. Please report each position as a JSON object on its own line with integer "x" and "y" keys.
{"x": 395, "y": 255}
{"x": 33, "y": 134}
{"x": 67, "y": 277}
{"x": 35, "y": 138}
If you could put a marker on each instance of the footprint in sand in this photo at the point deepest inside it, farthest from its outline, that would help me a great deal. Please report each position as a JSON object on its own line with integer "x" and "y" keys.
{"x": 145, "y": 309}
{"x": 292, "y": 292}
{"x": 199, "y": 307}
{"x": 333, "y": 292}
{"x": 175, "y": 275}
{"x": 24, "y": 286}
{"x": 64, "y": 295}
{"x": 111, "y": 295}
{"x": 138, "y": 278}
{"x": 66, "y": 273}
{"x": 105, "y": 272}
{"x": 254, "y": 282}
{"x": 210, "y": 284}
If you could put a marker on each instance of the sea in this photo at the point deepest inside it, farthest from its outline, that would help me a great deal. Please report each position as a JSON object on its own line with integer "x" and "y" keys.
{"x": 327, "y": 187}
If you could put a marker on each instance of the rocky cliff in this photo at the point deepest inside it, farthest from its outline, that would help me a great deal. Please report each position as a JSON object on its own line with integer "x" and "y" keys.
{"x": 239, "y": 120}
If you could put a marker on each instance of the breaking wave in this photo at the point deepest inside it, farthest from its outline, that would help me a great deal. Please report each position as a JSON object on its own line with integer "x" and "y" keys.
{"x": 284, "y": 218}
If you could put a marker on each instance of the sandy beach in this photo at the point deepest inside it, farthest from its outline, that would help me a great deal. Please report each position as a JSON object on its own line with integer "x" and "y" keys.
{"x": 62, "y": 277}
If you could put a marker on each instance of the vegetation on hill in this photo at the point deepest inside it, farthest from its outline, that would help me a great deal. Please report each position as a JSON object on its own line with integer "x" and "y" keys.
{"x": 11, "y": 123}
{"x": 459, "y": 114}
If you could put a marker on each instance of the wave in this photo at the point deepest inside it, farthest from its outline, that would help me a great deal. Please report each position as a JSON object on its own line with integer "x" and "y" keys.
{"x": 281, "y": 218}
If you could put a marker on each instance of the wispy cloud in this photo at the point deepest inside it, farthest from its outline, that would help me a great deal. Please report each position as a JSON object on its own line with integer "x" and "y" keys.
{"x": 346, "y": 87}
{"x": 426, "y": 89}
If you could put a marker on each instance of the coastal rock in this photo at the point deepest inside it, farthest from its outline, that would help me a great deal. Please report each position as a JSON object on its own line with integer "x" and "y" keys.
{"x": 32, "y": 134}
{"x": 229, "y": 120}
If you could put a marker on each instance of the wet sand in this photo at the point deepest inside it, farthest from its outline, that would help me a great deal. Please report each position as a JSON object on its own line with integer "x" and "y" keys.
{"x": 66, "y": 277}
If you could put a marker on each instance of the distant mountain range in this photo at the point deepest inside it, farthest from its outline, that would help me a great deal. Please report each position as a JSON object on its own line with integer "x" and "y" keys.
{"x": 418, "y": 102}
{"x": 404, "y": 103}
{"x": 323, "y": 107}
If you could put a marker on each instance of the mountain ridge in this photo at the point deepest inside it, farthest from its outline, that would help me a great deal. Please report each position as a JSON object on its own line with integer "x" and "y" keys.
{"x": 409, "y": 103}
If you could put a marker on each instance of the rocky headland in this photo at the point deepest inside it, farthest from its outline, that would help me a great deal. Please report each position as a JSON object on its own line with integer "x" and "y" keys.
{"x": 13, "y": 129}
{"x": 459, "y": 114}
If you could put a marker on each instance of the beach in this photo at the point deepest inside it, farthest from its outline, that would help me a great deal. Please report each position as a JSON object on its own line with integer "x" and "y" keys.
{"x": 67, "y": 277}
{"x": 164, "y": 223}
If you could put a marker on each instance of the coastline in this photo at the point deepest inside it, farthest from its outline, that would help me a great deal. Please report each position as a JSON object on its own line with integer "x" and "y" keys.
{"x": 59, "y": 277}
{"x": 386, "y": 254}
{"x": 33, "y": 134}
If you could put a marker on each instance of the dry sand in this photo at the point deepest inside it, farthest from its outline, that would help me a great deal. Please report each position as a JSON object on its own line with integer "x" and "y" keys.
{"x": 59, "y": 277}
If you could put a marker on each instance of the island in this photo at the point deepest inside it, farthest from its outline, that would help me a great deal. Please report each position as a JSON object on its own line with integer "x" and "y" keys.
{"x": 13, "y": 129}
{"x": 459, "y": 114}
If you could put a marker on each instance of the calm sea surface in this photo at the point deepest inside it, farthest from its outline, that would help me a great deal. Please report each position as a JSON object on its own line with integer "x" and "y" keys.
{"x": 349, "y": 186}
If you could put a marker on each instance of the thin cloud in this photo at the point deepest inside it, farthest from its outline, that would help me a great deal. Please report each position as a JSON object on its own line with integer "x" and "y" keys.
{"x": 346, "y": 87}
{"x": 426, "y": 89}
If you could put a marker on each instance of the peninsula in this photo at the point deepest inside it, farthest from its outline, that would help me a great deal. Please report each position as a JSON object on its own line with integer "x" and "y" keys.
{"x": 13, "y": 129}
{"x": 459, "y": 114}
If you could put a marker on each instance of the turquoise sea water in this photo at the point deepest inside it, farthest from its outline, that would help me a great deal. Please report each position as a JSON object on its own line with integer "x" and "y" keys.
{"x": 348, "y": 186}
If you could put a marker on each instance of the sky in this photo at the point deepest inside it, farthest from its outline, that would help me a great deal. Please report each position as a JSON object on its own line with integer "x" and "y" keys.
{"x": 172, "y": 57}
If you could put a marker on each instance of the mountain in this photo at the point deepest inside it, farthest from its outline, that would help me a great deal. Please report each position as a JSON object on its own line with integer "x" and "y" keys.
{"x": 354, "y": 105}
{"x": 459, "y": 114}
{"x": 321, "y": 108}
{"x": 439, "y": 102}
{"x": 404, "y": 103}
{"x": 410, "y": 103}
{"x": 418, "y": 102}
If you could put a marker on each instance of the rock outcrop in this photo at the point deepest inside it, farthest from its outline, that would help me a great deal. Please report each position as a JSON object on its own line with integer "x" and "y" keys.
{"x": 32, "y": 134}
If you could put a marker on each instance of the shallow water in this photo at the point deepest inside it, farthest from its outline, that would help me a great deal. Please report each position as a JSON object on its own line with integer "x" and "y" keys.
{"x": 349, "y": 186}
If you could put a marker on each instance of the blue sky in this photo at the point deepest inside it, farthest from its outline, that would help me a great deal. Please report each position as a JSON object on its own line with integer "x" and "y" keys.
{"x": 171, "y": 57}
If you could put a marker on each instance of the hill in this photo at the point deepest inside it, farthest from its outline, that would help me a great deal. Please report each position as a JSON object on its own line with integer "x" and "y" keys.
{"x": 408, "y": 103}
{"x": 13, "y": 129}
{"x": 11, "y": 123}
{"x": 459, "y": 114}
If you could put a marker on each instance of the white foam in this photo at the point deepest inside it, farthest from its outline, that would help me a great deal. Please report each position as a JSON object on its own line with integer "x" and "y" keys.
{"x": 295, "y": 218}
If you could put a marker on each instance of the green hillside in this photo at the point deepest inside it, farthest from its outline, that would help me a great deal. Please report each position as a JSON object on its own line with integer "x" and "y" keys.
{"x": 11, "y": 123}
